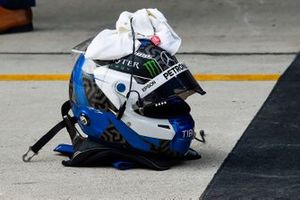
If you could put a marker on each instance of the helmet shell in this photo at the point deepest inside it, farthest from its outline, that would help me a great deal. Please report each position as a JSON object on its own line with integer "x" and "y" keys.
{"x": 97, "y": 91}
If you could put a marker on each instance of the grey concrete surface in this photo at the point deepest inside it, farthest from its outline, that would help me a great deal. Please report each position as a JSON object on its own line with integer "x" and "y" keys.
{"x": 205, "y": 26}
{"x": 31, "y": 108}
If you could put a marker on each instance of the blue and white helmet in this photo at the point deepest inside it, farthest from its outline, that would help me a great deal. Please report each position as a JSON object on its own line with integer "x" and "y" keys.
{"x": 156, "y": 120}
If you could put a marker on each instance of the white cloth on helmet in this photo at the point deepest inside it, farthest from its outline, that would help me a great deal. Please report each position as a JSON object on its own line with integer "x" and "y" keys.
{"x": 114, "y": 44}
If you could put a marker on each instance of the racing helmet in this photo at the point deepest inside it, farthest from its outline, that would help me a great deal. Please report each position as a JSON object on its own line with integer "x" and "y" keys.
{"x": 148, "y": 88}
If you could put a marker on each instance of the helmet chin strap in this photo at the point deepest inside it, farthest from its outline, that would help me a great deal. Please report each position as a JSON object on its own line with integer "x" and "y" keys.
{"x": 140, "y": 102}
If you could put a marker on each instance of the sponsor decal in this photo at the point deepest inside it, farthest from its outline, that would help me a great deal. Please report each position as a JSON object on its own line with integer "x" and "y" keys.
{"x": 166, "y": 59}
{"x": 127, "y": 63}
{"x": 170, "y": 73}
{"x": 148, "y": 85}
{"x": 152, "y": 67}
{"x": 188, "y": 133}
{"x": 143, "y": 55}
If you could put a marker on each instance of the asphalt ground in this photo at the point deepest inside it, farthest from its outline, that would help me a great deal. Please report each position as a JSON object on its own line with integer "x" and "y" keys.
{"x": 219, "y": 37}
{"x": 264, "y": 164}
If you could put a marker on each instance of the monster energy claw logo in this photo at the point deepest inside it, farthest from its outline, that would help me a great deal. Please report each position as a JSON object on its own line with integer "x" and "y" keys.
{"x": 152, "y": 67}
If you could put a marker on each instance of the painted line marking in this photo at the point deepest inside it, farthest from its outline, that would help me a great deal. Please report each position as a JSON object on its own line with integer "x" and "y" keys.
{"x": 34, "y": 77}
{"x": 198, "y": 77}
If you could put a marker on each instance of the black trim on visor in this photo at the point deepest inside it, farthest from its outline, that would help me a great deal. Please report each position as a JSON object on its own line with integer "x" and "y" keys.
{"x": 182, "y": 85}
{"x": 169, "y": 108}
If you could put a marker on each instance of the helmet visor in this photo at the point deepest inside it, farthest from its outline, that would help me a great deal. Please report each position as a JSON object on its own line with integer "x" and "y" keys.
{"x": 182, "y": 85}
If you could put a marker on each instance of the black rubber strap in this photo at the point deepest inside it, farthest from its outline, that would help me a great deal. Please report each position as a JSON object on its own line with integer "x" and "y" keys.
{"x": 65, "y": 108}
{"x": 67, "y": 122}
{"x": 47, "y": 137}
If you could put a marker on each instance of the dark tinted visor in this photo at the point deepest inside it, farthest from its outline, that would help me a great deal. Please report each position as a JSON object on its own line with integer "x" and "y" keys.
{"x": 182, "y": 85}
